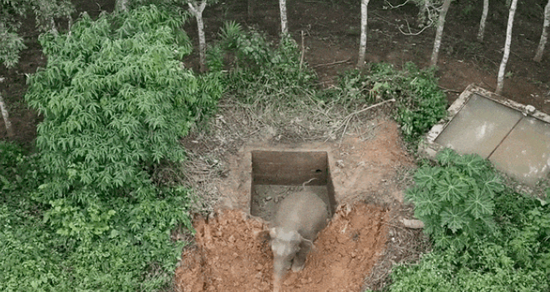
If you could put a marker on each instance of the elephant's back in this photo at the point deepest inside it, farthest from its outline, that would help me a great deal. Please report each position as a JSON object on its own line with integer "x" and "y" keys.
{"x": 303, "y": 211}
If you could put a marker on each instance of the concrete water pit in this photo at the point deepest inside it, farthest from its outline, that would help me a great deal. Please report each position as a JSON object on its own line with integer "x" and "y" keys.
{"x": 513, "y": 136}
{"x": 276, "y": 174}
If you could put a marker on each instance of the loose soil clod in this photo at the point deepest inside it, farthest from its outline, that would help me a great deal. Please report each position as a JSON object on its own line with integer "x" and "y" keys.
{"x": 232, "y": 254}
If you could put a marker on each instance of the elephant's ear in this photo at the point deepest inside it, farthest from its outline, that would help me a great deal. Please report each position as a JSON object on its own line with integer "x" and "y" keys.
{"x": 273, "y": 232}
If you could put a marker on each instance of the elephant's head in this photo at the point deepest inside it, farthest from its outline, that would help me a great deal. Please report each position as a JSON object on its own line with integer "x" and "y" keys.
{"x": 284, "y": 244}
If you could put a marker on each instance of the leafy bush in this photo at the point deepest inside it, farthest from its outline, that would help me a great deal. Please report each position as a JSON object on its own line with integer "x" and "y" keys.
{"x": 83, "y": 213}
{"x": 486, "y": 236}
{"x": 438, "y": 271}
{"x": 456, "y": 197}
{"x": 255, "y": 67}
{"x": 420, "y": 102}
{"x": 115, "y": 100}
{"x": 423, "y": 104}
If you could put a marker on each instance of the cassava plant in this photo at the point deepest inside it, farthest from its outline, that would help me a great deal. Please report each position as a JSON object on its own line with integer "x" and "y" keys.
{"x": 116, "y": 99}
{"x": 457, "y": 196}
{"x": 486, "y": 236}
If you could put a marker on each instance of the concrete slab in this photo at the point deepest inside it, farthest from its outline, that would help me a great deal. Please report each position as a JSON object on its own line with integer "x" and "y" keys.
{"x": 479, "y": 127}
{"x": 525, "y": 153}
{"x": 514, "y": 136}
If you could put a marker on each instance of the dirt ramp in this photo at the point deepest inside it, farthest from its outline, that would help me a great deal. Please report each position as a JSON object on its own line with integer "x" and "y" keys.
{"x": 229, "y": 256}
{"x": 345, "y": 252}
{"x": 232, "y": 255}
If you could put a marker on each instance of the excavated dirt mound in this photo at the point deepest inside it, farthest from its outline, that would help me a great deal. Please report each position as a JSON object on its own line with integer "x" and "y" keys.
{"x": 233, "y": 254}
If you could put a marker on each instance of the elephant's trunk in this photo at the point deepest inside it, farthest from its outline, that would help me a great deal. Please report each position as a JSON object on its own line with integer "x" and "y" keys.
{"x": 276, "y": 282}
{"x": 280, "y": 268}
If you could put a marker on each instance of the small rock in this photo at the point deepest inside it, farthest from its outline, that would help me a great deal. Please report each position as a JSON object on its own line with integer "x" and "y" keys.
{"x": 268, "y": 198}
{"x": 259, "y": 267}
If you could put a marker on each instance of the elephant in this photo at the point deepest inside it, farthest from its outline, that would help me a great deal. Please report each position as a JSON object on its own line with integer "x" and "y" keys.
{"x": 300, "y": 217}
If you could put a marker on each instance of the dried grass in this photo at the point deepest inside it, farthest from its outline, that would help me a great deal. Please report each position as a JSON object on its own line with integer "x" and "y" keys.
{"x": 274, "y": 121}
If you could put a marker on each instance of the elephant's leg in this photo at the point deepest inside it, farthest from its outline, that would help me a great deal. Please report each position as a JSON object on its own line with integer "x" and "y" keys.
{"x": 300, "y": 259}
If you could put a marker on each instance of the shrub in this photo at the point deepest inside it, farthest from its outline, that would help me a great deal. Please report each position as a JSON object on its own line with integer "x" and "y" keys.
{"x": 257, "y": 69}
{"x": 420, "y": 103}
{"x": 486, "y": 236}
{"x": 456, "y": 197}
{"x": 115, "y": 99}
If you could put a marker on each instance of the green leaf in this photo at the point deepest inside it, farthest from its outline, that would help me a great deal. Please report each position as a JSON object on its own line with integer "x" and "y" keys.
{"x": 452, "y": 189}
{"x": 491, "y": 183}
{"x": 426, "y": 177}
{"x": 479, "y": 204}
{"x": 426, "y": 202}
{"x": 453, "y": 218}
{"x": 446, "y": 157}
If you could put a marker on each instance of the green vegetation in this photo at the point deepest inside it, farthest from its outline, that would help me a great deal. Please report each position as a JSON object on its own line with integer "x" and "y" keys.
{"x": 420, "y": 103}
{"x": 258, "y": 70}
{"x": 84, "y": 213}
{"x": 486, "y": 236}
{"x": 11, "y": 14}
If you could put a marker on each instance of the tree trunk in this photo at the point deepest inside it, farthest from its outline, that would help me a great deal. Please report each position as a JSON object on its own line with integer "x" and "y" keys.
{"x": 363, "y": 40}
{"x": 284, "y": 22}
{"x": 500, "y": 79}
{"x": 483, "y": 20}
{"x": 53, "y": 28}
{"x": 196, "y": 10}
{"x": 121, "y": 5}
{"x": 250, "y": 9}
{"x": 439, "y": 33}
{"x": 544, "y": 35}
{"x": 6, "y": 117}
{"x": 423, "y": 13}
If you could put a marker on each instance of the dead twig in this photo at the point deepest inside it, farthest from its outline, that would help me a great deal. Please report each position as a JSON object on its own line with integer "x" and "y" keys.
{"x": 348, "y": 118}
{"x": 333, "y": 63}
{"x": 449, "y": 90}
{"x": 303, "y": 52}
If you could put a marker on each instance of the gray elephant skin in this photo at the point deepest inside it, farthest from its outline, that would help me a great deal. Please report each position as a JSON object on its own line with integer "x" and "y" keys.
{"x": 299, "y": 218}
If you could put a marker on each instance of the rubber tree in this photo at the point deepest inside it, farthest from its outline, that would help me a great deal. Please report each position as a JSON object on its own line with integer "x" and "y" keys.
{"x": 544, "y": 34}
{"x": 439, "y": 32}
{"x": 363, "y": 39}
{"x": 196, "y": 8}
{"x": 121, "y": 5}
{"x": 11, "y": 43}
{"x": 250, "y": 9}
{"x": 483, "y": 21}
{"x": 425, "y": 8}
{"x": 5, "y": 115}
{"x": 47, "y": 11}
{"x": 502, "y": 69}
{"x": 284, "y": 21}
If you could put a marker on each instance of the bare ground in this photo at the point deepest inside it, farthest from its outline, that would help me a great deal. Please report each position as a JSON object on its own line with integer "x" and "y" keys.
{"x": 369, "y": 168}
